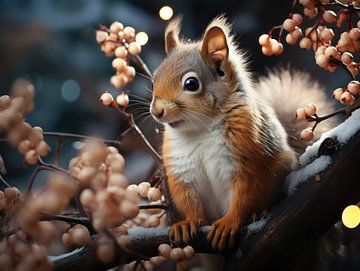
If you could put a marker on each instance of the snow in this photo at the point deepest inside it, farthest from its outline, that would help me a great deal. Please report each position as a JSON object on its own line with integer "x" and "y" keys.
{"x": 59, "y": 257}
{"x": 294, "y": 179}
{"x": 343, "y": 133}
{"x": 257, "y": 225}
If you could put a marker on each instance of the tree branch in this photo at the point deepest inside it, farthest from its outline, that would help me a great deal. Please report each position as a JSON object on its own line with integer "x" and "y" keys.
{"x": 301, "y": 219}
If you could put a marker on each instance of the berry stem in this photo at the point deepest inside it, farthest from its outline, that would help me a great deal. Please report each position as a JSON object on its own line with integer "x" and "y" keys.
{"x": 4, "y": 181}
{"x": 71, "y": 219}
{"x": 59, "y": 143}
{"x": 153, "y": 206}
{"x": 345, "y": 111}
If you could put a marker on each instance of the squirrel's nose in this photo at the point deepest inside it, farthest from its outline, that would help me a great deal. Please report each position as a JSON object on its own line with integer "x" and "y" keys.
{"x": 158, "y": 112}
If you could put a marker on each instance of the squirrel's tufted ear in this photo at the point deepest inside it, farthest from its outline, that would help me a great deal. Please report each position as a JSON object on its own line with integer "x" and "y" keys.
{"x": 172, "y": 34}
{"x": 214, "y": 47}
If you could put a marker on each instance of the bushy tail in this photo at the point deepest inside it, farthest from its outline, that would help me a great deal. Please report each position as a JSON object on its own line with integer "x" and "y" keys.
{"x": 287, "y": 90}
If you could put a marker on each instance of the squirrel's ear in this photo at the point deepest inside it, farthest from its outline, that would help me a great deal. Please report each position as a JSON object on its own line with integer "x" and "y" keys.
{"x": 172, "y": 34}
{"x": 214, "y": 47}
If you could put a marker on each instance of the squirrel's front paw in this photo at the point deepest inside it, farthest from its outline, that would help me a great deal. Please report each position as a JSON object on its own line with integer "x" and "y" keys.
{"x": 183, "y": 231}
{"x": 223, "y": 233}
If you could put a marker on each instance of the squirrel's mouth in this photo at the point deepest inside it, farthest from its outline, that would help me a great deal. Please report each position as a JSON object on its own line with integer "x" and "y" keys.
{"x": 175, "y": 124}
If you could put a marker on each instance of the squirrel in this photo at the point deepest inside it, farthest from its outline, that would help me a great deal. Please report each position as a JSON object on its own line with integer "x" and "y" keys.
{"x": 228, "y": 142}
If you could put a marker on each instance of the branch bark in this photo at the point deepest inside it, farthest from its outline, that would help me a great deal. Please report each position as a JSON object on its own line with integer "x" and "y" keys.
{"x": 291, "y": 227}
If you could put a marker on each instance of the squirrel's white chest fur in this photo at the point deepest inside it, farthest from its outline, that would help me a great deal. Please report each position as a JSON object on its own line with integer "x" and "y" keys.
{"x": 205, "y": 162}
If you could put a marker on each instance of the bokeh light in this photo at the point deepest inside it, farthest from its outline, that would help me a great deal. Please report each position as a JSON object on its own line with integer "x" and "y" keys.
{"x": 166, "y": 13}
{"x": 351, "y": 216}
{"x": 141, "y": 38}
{"x": 70, "y": 90}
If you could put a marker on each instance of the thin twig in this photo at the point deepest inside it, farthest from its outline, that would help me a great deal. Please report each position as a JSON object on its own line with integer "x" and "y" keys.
{"x": 4, "y": 181}
{"x": 67, "y": 218}
{"x": 59, "y": 143}
{"x": 153, "y": 206}
{"x": 32, "y": 179}
{"x": 345, "y": 111}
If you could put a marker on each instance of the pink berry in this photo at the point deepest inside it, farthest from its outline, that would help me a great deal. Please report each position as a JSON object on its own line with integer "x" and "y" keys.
{"x": 130, "y": 72}
{"x": 264, "y": 40}
{"x": 290, "y": 39}
{"x": 327, "y": 35}
{"x": 177, "y": 254}
{"x": 267, "y": 50}
{"x": 122, "y": 100}
{"x": 354, "y": 34}
{"x": 307, "y": 134}
{"x": 289, "y": 25}
{"x": 310, "y": 109}
{"x": 164, "y": 250}
{"x": 347, "y": 58}
{"x": 337, "y": 93}
{"x": 106, "y": 98}
{"x": 189, "y": 252}
{"x": 119, "y": 63}
{"x": 329, "y": 16}
{"x": 277, "y": 48}
{"x": 128, "y": 209}
{"x": 116, "y": 81}
{"x": 305, "y": 43}
{"x": 143, "y": 189}
{"x": 154, "y": 194}
{"x": 101, "y": 36}
{"x": 121, "y": 52}
{"x": 330, "y": 51}
{"x": 116, "y": 27}
{"x": 129, "y": 33}
{"x": 346, "y": 98}
{"x": 134, "y": 48}
{"x": 300, "y": 114}
{"x": 354, "y": 87}
{"x": 24, "y": 146}
{"x": 297, "y": 18}
{"x": 31, "y": 157}
{"x": 42, "y": 148}
{"x": 310, "y": 12}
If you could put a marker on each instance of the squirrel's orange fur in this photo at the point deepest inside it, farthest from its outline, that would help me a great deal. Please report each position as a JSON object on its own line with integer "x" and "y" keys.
{"x": 225, "y": 151}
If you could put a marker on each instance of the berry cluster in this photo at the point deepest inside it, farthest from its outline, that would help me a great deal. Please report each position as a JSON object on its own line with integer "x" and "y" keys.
{"x": 182, "y": 256}
{"x": 10, "y": 198}
{"x": 347, "y": 94}
{"x": 302, "y": 114}
{"x": 320, "y": 36}
{"x": 333, "y": 35}
{"x": 145, "y": 190}
{"x": 18, "y": 254}
{"x": 53, "y": 199}
{"x": 29, "y": 140}
{"x": 119, "y": 41}
{"x": 121, "y": 100}
{"x": 270, "y": 46}
{"x": 99, "y": 170}
{"x": 76, "y": 236}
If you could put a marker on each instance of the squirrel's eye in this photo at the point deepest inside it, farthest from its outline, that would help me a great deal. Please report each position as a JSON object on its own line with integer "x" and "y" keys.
{"x": 191, "y": 84}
